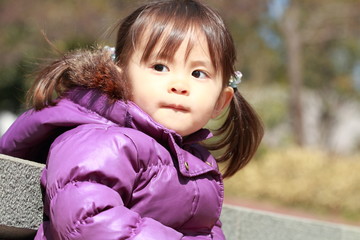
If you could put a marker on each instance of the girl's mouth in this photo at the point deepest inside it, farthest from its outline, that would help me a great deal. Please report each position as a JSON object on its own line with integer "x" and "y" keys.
{"x": 176, "y": 107}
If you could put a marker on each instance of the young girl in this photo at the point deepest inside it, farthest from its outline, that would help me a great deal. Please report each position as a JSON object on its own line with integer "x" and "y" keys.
{"x": 122, "y": 141}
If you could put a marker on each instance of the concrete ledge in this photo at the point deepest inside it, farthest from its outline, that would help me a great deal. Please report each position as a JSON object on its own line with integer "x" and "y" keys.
{"x": 248, "y": 224}
{"x": 21, "y": 207}
{"x": 20, "y": 194}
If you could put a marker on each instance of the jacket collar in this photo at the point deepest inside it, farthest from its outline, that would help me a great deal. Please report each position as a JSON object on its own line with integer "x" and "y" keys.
{"x": 128, "y": 114}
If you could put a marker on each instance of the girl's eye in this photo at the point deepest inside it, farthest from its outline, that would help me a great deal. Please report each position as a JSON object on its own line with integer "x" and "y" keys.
{"x": 199, "y": 74}
{"x": 160, "y": 68}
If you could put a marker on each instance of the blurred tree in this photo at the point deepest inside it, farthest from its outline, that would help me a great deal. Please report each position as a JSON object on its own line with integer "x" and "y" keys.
{"x": 289, "y": 26}
{"x": 315, "y": 35}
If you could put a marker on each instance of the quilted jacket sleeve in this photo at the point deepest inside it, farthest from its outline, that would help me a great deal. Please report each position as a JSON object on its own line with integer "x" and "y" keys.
{"x": 216, "y": 234}
{"x": 89, "y": 179}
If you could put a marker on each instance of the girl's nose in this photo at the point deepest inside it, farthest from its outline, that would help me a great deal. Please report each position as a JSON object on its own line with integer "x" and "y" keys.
{"x": 179, "y": 91}
{"x": 179, "y": 88}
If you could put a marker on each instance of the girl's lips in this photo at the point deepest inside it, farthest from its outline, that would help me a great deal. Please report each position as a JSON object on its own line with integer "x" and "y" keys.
{"x": 177, "y": 107}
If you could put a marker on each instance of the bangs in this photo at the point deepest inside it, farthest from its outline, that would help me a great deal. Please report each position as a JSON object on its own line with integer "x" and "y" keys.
{"x": 167, "y": 29}
{"x": 167, "y": 38}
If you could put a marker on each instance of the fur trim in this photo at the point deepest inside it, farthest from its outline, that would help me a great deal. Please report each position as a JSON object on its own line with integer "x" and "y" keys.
{"x": 95, "y": 69}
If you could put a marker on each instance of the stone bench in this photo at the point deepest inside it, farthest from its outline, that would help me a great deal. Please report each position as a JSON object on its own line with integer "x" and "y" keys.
{"x": 21, "y": 212}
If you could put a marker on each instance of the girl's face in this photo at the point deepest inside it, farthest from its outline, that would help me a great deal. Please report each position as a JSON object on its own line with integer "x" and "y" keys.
{"x": 182, "y": 94}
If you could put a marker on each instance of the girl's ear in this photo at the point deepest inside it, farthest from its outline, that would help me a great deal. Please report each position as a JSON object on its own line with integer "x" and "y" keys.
{"x": 224, "y": 100}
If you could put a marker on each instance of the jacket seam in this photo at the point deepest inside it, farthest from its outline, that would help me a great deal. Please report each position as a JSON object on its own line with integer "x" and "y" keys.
{"x": 195, "y": 204}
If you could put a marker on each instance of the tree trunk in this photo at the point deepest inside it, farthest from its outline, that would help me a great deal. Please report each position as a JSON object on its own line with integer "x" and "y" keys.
{"x": 293, "y": 44}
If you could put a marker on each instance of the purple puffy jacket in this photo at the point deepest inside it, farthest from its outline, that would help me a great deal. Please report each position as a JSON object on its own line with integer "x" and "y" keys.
{"x": 113, "y": 173}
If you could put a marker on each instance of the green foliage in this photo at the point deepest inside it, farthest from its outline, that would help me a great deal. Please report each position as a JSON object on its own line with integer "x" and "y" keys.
{"x": 270, "y": 103}
{"x": 13, "y": 87}
{"x": 67, "y": 26}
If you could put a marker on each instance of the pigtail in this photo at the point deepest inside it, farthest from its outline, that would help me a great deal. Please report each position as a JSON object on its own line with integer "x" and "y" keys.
{"x": 46, "y": 85}
{"x": 93, "y": 69}
{"x": 239, "y": 136}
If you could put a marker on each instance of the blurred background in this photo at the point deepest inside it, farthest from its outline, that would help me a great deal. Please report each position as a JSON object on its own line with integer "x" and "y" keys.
{"x": 301, "y": 65}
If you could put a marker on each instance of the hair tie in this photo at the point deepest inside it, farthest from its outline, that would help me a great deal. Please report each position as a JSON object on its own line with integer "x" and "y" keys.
{"x": 235, "y": 79}
{"x": 111, "y": 50}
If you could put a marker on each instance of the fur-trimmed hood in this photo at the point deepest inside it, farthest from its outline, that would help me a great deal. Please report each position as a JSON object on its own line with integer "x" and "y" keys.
{"x": 95, "y": 69}
{"x": 90, "y": 69}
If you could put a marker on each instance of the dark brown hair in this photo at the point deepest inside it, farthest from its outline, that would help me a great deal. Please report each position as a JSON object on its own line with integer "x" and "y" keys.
{"x": 169, "y": 22}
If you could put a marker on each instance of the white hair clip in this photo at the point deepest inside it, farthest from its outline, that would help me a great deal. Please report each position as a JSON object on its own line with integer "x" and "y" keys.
{"x": 111, "y": 50}
{"x": 235, "y": 79}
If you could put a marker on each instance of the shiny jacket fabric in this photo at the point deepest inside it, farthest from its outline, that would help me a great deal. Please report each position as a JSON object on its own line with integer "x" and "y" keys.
{"x": 114, "y": 173}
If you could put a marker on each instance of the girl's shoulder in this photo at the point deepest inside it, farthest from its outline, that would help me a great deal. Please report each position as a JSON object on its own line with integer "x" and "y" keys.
{"x": 112, "y": 142}
{"x": 96, "y": 135}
